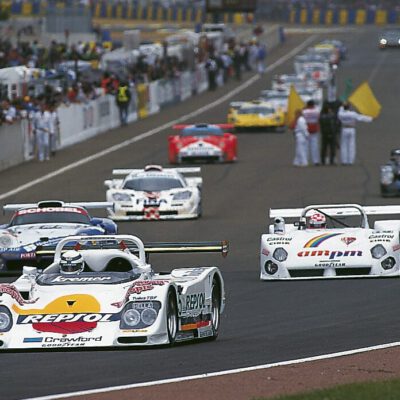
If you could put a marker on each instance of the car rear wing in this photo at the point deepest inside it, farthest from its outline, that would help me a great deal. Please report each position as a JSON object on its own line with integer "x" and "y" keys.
{"x": 225, "y": 127}
{"x": 188, "y": 170}
{"x": 133, "y": 244}
{"x": 345, "y": 210}
{"x": 57, "y": 203}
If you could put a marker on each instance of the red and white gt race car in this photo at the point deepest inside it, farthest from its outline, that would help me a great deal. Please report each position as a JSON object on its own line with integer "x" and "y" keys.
{"x": 202, "y": 142}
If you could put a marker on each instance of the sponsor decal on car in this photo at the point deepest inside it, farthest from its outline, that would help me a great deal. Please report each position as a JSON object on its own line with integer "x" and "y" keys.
{"x": 265, "y": 252}
{"x": 13, "y": 292}
{"x": 279, "y": 240}
{"x": 28, "y": 255}
{"x": 33, "y": 340}
{"x": 81, "y": 279}
{"x": 137, "y": 288}
{"x": 348, "y": 240}
{"x": 381, "y": 237}
{"x": 51, "y": 210}
{"x": 317, "y": 240}
{"x": 396, "y": 247}
{"x": 332, "y": 264}
{"x": 151, "y": 213}
{"x": 70, "y": 314}
{"x": 193, "y": 301}
{"x": 331, "y": 254}
{"x": 69, "y": 341}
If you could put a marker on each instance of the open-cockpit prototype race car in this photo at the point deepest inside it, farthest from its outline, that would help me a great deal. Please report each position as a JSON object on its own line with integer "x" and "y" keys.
{"x": 202, "y": 142}
{"x": 114, "y": 299}
{"x": 39, "y": 226}
{"x": 154, "y": 193}
{"x": 330, "y": 241}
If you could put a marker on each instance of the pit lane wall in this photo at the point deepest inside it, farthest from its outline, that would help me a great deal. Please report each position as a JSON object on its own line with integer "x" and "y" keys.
{"x": 81, "y": 121}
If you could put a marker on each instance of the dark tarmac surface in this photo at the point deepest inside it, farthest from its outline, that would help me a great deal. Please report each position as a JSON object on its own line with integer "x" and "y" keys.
{"x": 264, "y": 322}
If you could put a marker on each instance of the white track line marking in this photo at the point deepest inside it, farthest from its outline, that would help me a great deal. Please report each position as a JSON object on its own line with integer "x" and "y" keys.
{"x": 159, "y": 129}
{"x": 215, "y": 374}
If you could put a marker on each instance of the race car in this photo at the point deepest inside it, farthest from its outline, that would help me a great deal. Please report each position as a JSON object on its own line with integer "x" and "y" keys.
{"x": 330, "y": 241}
{"x": 233, "y": 107}
{"x": 390, "y": 175}
{"x": 41, "y": 226}
{"x": 259, "y": 114}
{"x": 389, "y": 38}
{"x": 279, "y": 98}
{"x": 285, "y": 81}
{"x": 202, "y": 142}
{"x": 102, "y": 292}
{"x": 329, "y": 51}
{"x": 339, "y": 45}
{"x": 154, "y": 193}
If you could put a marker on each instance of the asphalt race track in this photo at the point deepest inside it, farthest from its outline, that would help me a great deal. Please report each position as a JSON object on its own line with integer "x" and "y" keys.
{"x": 263, "y": 322}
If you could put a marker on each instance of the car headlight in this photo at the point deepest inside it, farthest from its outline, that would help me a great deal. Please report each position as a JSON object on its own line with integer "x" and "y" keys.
{"x": 387, "y": 175}
{"x": 5, "y": 319}
{"x": 149, "y": 316}
{"x": 280, "y": 254}
{"x": 378, "y": 251}
{"x": 6, "y": 241}
{"x": 388, "y": 263}
{"x": 121, "y": 197}
{"x": 383, "y": 41}
{"x": 139, "y": 314}
{"x": 270, "y": 267}
{"x": 182, "y": 195}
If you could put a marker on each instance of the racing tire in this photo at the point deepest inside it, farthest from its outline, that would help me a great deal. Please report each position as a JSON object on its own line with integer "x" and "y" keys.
{"x": 172, "y": 317}
{"x": 215, "y": 308}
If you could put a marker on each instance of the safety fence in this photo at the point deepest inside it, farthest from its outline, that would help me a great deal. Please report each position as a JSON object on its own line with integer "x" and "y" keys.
{"x": 79, "y": 122}
{"x": 154, "y": 11}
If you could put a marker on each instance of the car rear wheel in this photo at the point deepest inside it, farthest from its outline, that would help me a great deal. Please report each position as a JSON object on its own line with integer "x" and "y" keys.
{"x": 172, "y": 317}
{"x": 215, "y": 308}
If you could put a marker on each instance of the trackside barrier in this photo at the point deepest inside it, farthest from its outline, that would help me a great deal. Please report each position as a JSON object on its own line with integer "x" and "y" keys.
{"x": 79, "y": 122}
{"x": 11, "y": 145}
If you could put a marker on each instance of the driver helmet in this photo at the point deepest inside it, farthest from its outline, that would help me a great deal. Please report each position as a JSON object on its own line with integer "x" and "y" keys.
{"x": 317, "y": 221}
{"x": 71, "y": 262}
{"x": 395, "y": 156}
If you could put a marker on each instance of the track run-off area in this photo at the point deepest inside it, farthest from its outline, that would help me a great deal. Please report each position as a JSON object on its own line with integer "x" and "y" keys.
{"x": 264, "y": 322}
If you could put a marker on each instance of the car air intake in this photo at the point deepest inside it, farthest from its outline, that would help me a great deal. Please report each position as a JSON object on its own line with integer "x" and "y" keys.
{"x": 132, "y": 340}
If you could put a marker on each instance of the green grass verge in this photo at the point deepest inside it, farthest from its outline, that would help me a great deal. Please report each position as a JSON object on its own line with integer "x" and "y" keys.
{"x": 383, "y": 390}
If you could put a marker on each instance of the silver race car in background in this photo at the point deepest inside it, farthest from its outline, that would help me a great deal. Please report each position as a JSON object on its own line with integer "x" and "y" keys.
{"x": 331, "y": 241}
{"x": 154, "y": 193}
{"x": 40, "y": 226}
{"x": 115, "y": 298}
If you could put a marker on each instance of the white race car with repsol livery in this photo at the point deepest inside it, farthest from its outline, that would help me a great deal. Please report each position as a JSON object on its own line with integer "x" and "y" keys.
{"x": 116, "y": 299}
{"x": 40, "y": 226}
{"x": 342, "y": 245}
{"x": 154, "y": 193}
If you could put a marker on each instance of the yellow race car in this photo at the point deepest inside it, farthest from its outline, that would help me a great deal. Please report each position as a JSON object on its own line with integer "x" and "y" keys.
{"x": 259, "y": 114}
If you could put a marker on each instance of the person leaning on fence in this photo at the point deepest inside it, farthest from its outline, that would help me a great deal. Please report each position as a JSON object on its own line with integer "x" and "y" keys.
{"x": 42, "y": 128}
{"x": 123, "y": 98}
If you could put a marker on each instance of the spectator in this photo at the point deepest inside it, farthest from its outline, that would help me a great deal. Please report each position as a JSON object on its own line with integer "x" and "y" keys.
{"x": 329, "y": 130}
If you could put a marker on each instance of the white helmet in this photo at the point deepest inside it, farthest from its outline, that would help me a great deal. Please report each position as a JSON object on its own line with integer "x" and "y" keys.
{"x": 71, "y": 262}
{"x": 317, "y": 221}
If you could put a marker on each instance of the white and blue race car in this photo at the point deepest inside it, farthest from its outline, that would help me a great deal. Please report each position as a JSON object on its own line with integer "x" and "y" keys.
{"x": 330, "y": 241}
{"x": 115, "y": 300}
{"x": 154, "y": 193}
{"x": 40, "y": 226}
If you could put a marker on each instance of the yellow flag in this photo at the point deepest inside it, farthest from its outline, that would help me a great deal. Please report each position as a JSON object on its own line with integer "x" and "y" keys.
{"x": 364, "y": 100}
{"x": 294, "y": 103}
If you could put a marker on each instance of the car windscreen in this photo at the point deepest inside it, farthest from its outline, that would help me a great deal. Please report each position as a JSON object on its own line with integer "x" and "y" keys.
{"x": 391, "y": 34}
{"x": 153, "y": 184}
{"x": 256, "y": 110}
{"x": 202, "y": 131}
{"x": 50, "y": 218}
